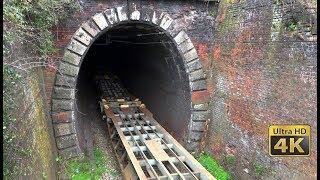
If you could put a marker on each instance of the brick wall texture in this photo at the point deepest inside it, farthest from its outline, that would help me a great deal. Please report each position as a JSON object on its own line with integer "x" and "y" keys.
{"x": 263, "y": 72}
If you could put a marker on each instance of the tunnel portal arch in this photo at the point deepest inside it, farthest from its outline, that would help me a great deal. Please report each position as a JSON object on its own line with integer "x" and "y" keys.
{"x": 64, "y": 90}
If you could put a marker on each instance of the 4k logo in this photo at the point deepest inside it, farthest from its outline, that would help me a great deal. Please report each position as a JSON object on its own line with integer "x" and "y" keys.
{"x": 289, "y": 140}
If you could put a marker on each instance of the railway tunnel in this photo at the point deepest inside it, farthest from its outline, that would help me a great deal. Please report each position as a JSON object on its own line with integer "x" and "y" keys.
{"x": 154, "y": 58}
{"x": 150, "y": 67}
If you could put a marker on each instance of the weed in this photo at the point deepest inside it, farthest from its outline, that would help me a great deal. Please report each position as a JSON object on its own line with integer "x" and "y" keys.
{"x": 213, "y": 167}
{"x": 259, "y": 169}
{"x": 231, "y": 159}
{"x": 82, "y": 168}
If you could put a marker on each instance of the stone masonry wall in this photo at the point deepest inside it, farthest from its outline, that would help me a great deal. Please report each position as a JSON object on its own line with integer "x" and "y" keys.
{"x": 192, "y": 18}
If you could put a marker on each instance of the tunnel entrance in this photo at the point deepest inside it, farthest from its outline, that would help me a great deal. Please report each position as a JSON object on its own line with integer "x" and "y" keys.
{"x": 149, "y": 66}
{"x": 155, "y": 60}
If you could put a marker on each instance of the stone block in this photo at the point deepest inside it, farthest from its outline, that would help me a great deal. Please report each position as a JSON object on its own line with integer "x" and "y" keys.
{"x": 71, "y": 58}
{"x": 65, "y": 81}
{"x": 60, "y": 105}
{"x": 185, "y": 46}
{"x": 111, "y": 15}
{"x": 68, "y": 69}
{"x": 70, "y": 152}
{"x": 83, "y": 36}
{"x": 62, "y": 117}
{"x": 193, "y": 65}
{"x": 198, "y": 126}
{"x": 63, "y": 93}
{"x": 200, "y": 107}
{"x": 122, "y": 13}
{"x": 66, "y": 141}
{"x": 156, "y": 17}
{"x": 166, "y": 21}
{"x": 196, "y": 135}
{"x": 196, "y": 75}
{"x": 77, "y": 47}
{"x": 146, "y": 14}
{"x": 181, "y": 37}
{"x": 199, "y": 116}
{"x": 90, "y": 28}
{"x": 190, "y": 55}
{"x": 198, "y": 85}
{"x": 63, "y": 129}
{"x": 192, "y": 146}
{"x": 100, "y": 20}
{"x": 135, "y": 15}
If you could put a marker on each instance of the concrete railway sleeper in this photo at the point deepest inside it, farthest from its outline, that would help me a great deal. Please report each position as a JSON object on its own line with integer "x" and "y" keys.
{"x": 143, "y": 148}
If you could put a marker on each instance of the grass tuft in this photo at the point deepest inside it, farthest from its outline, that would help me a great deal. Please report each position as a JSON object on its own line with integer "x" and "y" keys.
{"x": 82, "y": 169}
{"x": 213, "y": 167}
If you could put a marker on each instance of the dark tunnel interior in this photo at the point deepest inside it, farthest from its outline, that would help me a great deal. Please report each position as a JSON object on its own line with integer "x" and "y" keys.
{"x": 150, "y": 68}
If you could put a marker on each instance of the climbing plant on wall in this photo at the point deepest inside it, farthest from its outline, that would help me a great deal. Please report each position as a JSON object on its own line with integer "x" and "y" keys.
{"x": 28, "y": 42}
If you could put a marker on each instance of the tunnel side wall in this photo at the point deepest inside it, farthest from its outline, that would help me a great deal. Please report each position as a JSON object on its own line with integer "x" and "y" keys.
{"x": 60, "y": 84}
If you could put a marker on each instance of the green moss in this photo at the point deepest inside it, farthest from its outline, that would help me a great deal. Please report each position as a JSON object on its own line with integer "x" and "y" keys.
{"x": 10, "y": 81}
{"x": 259, "y": 169}
{"x": 231, "y": 159}
{"x": 213, "y": 167}
{"x": 31, "y": 22}
{"x": 82, "y": 168}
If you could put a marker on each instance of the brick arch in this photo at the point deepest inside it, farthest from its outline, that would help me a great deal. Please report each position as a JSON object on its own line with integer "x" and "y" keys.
{"x": 63, "y": 97}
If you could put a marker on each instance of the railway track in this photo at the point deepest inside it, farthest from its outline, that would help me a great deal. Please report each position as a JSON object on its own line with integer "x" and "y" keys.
{"x": 143, "y": 148}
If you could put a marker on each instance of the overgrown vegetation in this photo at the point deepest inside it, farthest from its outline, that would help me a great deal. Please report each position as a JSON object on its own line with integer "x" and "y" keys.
{"x": 27, "y": 39}
{"x": 29, "y": 23}
{"x": 82, "y": 168}
{"x": 213, "y": 167}
{"x": 10, "y": 80}
{"x": 231, "y": 159}
{"x": 259, "y": 169}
